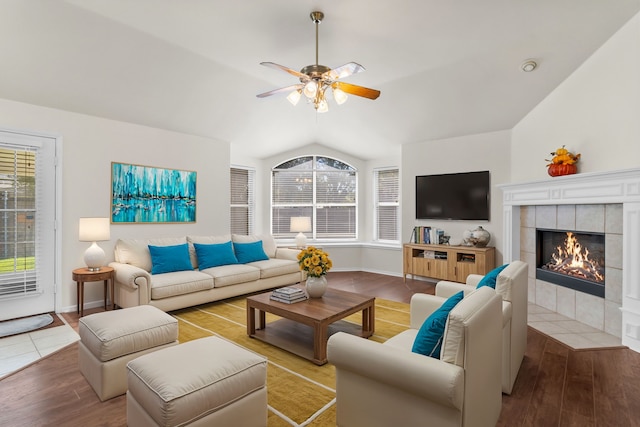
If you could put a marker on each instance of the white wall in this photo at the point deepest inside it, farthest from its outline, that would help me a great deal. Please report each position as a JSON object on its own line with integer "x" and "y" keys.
{"x": 90, "y": 144}
{"x": 488, "y": 151}
{"x": 595, "y": 112}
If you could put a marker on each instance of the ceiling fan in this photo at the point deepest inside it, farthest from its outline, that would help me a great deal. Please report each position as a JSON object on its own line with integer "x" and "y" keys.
{"x": 316, "y": 79}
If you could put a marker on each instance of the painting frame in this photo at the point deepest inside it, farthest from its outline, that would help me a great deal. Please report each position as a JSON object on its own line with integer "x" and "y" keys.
{"x": 142, "y": 194}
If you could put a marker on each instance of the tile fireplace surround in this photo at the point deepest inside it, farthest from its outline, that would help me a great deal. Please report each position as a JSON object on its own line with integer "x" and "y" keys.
{"x": 596, "y": 201}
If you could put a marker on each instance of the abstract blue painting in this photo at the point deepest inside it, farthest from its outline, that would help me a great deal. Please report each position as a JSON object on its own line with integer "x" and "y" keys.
{"x": 149, "y": 194}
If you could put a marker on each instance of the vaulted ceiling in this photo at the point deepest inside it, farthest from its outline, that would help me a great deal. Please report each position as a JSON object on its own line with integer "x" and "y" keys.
{"x": 445, "y": 68}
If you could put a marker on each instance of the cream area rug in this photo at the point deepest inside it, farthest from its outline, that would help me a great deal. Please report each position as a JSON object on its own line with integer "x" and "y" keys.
{"x": 300, "y": 393}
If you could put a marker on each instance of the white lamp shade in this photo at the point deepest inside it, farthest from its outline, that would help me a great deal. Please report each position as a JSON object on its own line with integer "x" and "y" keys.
{"x": 300, "y": 223}
{"x": 94, "y": 229}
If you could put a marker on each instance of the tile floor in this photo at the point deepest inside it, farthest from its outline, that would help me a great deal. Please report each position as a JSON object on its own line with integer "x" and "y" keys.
{"x": 21, "y": 350}
{"x": 569, "y": 331}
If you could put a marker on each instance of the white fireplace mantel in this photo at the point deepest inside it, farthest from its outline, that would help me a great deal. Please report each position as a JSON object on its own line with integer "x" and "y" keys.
{"x": 621, "y": 186}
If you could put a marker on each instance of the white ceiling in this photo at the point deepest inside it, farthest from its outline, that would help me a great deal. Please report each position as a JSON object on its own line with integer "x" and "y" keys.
{"x": 445, "y": 68}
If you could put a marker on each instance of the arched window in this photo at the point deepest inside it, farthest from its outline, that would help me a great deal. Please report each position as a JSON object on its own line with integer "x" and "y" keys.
{"x": 319, "y": 188}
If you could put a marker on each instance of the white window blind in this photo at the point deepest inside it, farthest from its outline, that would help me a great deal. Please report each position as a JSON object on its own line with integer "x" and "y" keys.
{"x": 321, "y": 188}
{"x": 387, "y": 205}
{"x": 19, "y": 222}
{"x": 242, "y": 200}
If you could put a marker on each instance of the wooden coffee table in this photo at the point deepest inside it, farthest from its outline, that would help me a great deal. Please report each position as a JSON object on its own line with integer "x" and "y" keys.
{"x": 306, "y": 326}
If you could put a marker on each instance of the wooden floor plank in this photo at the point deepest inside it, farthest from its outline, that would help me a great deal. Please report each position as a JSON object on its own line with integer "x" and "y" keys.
{"x": 546, "y": 398}
{"x": 579, "y": 380}
{"x": 611, "y": 407}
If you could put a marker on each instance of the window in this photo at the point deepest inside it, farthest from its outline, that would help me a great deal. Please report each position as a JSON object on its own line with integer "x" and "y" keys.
{"x": 387, "y": 206}
{"x": 242, "y": 201}
{"x": 321, "y": 188}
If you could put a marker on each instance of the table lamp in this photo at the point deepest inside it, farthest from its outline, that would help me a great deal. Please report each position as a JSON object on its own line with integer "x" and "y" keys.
{"x": 94, "y": 230}
{"x": 300, "y": 224}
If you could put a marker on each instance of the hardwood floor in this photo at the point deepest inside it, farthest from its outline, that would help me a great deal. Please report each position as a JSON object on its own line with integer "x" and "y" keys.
{"x": 556, "y": 386}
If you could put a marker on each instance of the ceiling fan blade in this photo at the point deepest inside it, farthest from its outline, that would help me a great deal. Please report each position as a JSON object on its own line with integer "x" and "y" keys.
{"x": 345, "y": 70}
{"x": 285, "y": 69}
{"x": 356, "y": 90}
{"x": 281, "y": 90}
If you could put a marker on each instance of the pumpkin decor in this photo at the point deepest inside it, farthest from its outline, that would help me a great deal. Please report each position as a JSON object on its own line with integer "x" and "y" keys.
{"x": 563, "y": 162}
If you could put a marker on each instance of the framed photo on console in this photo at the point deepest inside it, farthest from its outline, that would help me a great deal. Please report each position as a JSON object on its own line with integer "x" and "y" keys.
{"x": 147, "y": 194}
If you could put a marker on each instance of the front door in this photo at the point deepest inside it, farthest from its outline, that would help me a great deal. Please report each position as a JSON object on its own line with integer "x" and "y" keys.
{"x": 27, "y": 224}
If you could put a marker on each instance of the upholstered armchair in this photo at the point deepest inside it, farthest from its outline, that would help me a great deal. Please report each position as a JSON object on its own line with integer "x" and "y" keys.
{"x": 511, "y": 284}
{"x": 386, "y": 384}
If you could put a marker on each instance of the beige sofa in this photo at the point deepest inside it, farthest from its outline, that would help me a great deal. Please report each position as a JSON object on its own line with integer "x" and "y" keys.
{"x": 135, "y": 285}
{"x": 381, "y": 385}
{"x": 512, "y": 286}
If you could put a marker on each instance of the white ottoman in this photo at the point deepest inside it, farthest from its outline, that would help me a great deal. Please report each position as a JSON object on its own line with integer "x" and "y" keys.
{"x": 204, "y": 382}
{"x": 110, "y": 339}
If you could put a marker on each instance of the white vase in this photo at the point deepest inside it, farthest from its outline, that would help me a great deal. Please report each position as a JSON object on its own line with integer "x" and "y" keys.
{"x": 316, "y": 286}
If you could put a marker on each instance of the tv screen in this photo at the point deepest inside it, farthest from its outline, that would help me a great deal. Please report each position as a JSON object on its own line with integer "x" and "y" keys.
{"x": 453, "y": 196}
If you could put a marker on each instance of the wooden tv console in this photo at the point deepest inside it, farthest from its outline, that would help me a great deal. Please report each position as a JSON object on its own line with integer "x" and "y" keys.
{"x": 444, "y": 262}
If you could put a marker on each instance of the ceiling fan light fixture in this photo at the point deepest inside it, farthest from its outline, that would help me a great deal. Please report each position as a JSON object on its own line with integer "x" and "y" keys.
{"x": 294, "y": 97}
{"x": 310, "y": 89}
{"x": 323, "y": 106}
{"x": 339, "y": 96}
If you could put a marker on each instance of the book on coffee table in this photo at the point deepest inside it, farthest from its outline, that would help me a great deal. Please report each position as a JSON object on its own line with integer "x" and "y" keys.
{"x": 288, "y": 295}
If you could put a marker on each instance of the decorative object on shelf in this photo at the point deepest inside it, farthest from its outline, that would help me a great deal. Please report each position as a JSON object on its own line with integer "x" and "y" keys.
{"x": 563, "y": 162}
{"x": 316, "y": 263}
{"x": 300, "y": 224}
{"x": 479, "y": 237}
{"x": 94, "y": 230}
{"x": 152, "y": 195}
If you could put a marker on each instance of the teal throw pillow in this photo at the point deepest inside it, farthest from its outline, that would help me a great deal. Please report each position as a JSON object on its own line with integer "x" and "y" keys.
{"x": 249, "y": 252}
{"x": 490, "y": 278}
{"x": 215, "y": 255}
{"x": 429, "y": 338}
{"x": 166, "y": 259}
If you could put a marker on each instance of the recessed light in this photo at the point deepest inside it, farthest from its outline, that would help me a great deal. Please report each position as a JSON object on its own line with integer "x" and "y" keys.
{"x": 528, "y": 66}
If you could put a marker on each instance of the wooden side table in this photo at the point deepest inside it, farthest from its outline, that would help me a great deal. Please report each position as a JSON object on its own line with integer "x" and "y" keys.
{"x": 81, "y": 275}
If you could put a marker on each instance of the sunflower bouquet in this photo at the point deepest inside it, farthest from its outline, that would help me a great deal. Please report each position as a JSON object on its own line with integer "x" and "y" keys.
{"x": 314, "y": 261}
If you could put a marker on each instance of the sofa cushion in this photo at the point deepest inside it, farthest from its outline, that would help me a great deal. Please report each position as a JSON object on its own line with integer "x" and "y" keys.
{"x": 429, "y": 338}
{"x": 249, "y": 252}
{"x": 136, "y": 251}
{"x": 276, "y": 267}
{"x": 215, "y": 255}
{"x": 179, "y": 283}
{"x": 167, "y": 259}
{"x": 232, "y": 274}
{"x": 268, "y": 242}
{"x": 490, "y": 278}
{"x": 205, "y": 240}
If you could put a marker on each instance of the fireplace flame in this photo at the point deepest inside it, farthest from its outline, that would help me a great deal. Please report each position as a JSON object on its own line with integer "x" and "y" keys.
{"x": 573, "y": 260}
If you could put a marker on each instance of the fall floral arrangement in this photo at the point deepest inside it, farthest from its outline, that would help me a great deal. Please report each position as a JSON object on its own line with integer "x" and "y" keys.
{"x": 314, "y": 261}
{"x": 563, "y": 162}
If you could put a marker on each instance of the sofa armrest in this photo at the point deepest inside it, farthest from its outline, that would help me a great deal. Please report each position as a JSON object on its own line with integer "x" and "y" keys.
{"x": 287, "y": 253}
{"x": 133, "y": 279}
{"x": 445, "y": 289}
{"x": 424, "y": 376}
{"x": 474, "y": 279}
{"x": 421, "y": 307}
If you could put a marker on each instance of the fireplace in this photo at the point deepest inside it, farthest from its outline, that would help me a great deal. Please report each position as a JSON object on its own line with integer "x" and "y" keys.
{"x": 575, "y": 260}
{"x": 588, "y": 199}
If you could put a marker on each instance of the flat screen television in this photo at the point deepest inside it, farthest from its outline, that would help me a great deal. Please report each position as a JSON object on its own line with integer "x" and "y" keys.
{"x": 453, "y": 196}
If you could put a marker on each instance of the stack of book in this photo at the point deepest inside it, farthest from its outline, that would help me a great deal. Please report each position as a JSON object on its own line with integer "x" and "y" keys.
{"x": 288, "y": 295}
